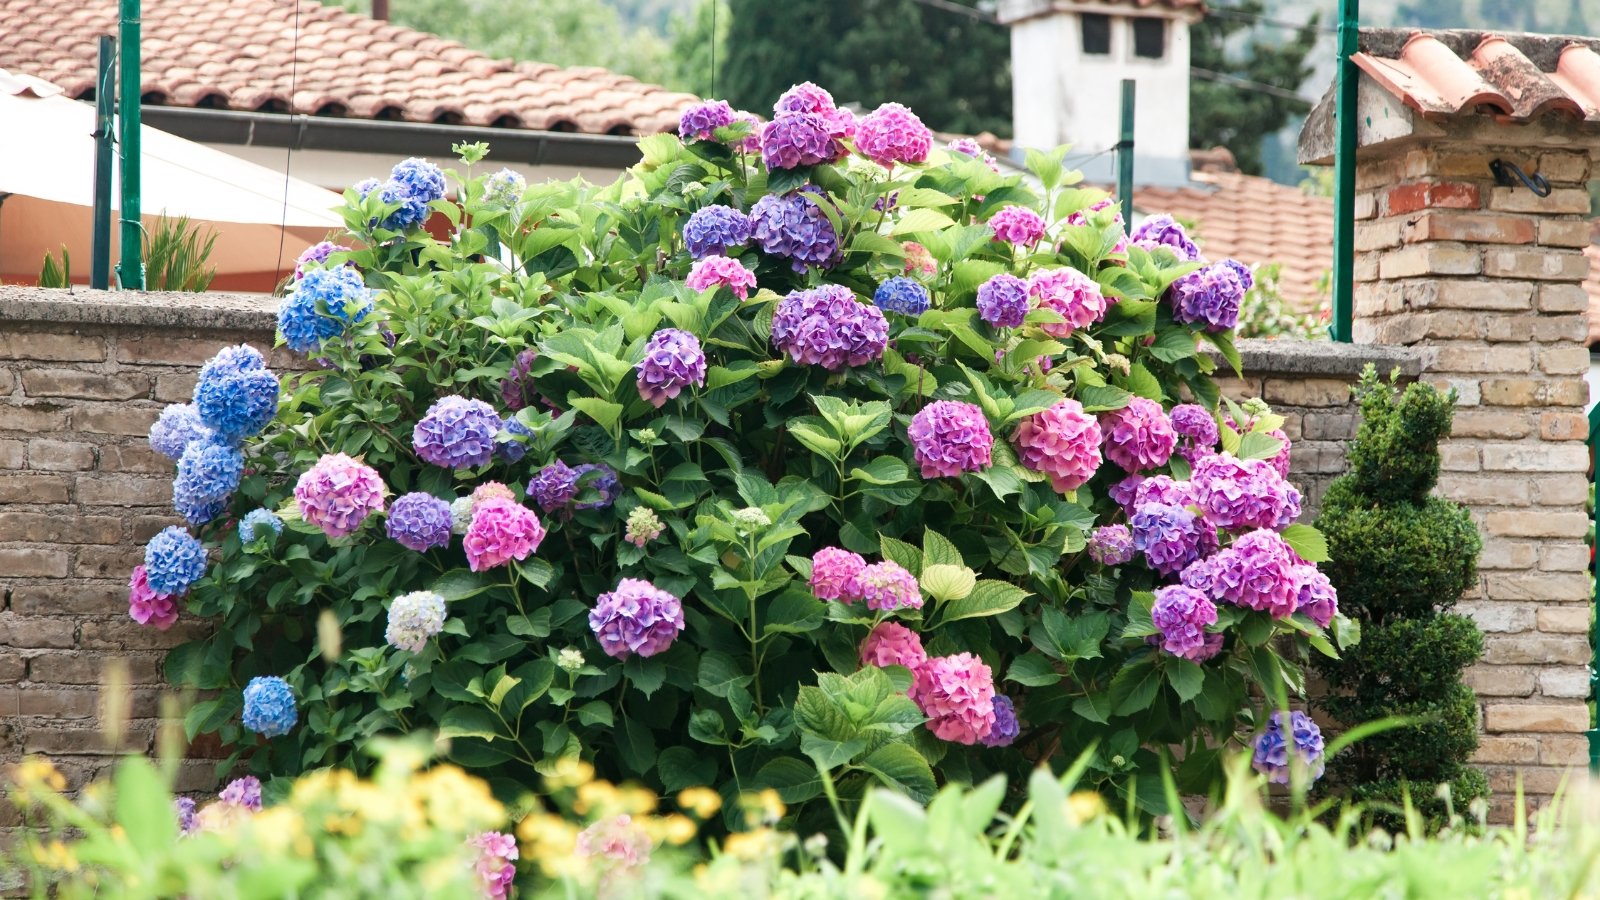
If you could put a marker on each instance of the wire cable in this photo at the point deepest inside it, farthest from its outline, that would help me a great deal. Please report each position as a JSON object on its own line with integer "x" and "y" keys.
{"x": 1247, "y": 84}
{"x": 288, "y": 150}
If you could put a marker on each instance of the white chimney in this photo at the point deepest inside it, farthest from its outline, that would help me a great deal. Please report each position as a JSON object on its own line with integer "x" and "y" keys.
{"x": 1068, "y": 61}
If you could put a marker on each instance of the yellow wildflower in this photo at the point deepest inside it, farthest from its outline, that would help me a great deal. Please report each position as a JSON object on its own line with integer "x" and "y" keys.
{"x": 1083, "y": 806}
{"x": 703, "y": 802}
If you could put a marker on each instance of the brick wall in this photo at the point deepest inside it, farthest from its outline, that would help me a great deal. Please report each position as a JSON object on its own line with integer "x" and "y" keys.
{"x": 82, "y": 376}
{"x": 1487, "y": 279}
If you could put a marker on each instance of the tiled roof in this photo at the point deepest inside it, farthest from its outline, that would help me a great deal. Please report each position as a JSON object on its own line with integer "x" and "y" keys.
{"x": 244, "y": 55}
{"x": 1255, "y": 220}
{"x": 1515, "y": 78}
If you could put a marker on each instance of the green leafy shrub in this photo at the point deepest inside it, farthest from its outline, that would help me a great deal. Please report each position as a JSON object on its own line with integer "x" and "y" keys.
{"x": 176, "y": 252}
{"x": 1402, "y": 557}
{"x": 723, "y": 495}
{"x": 1265, "y": 314}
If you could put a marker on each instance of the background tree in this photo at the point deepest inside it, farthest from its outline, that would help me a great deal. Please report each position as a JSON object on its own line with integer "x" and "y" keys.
{"x": 1222, "y": 111}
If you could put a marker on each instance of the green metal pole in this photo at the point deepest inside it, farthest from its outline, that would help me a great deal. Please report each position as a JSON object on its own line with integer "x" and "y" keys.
{"x": 1125, "y": 157}
{"x": 1344, "y": 176}
{"x": 1594, "y": 565}
{"x": 105, "y": 100}
{"x": 130, "y": 271}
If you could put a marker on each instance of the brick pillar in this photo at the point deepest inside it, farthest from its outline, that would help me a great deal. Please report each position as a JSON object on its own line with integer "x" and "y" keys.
{"x": 1488, "y": 280}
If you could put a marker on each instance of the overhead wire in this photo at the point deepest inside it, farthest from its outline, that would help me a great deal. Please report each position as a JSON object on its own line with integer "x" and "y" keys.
{"x": 288, "y": 150}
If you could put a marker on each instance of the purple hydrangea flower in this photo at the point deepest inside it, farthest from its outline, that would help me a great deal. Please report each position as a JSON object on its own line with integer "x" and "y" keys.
{"x": 1181, "y": 614}
{"x": 1111, "y": 545}
{"x": 244, "y": 792}
{"x": 1246, "y": 277}
{"x": 637, "y": 618}
{"x": 1081, "y": 219}
{"x": 184, "y": 808}
{"x": 1017, "y": 225}
{"x": 1209, "y": 297}
{"x": 700, "y": 121}
{"x": 456, "y": 433}
{"x": 1003, "y": 301}
{"x": 1125, "y": 493}
{"x": 792, "y": 226}
{"x": 793, "y": 140}
{"x": 887, "y": 585}
{"x": 1164, "y": 231}
{"x": 804, "y": 97}
{"x": 1273, "y": 747}
{"x": 949, "y": 437}
{"x": 1196, "y": 429}
{"x": 672, "y": 361}
{"x": 1138, "y": 436}
{"x": 554, "y": 487}
{"x": 519, "y": 389}
{"x": 902, "y": 295}
{"x": 1242, "y": 493}
{"x": 1006, "y": 727}
{"x": 714, "y": 230}
{"x": 514, "y": 447}
{"x": 1315, "y": 596}
{"x": 751, "y": 142}
{"x": 604, "y": 483}
{"x": 973, "y": 149}
{"x": 1163, "y": 489}
{"x": 178, "y": 425}
{"x": 338, "y": 493}
{"x": 826, "y": 326}
{"x": 1257, "y": 572}
{"x": 315, "y": 255}
{"x": 1168, "y": 536}
{"x": 893, "y": 134}
{"x": 419, "y": 521}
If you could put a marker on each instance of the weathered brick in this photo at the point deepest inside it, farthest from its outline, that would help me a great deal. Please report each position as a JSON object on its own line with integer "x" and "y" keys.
{"x": 13, "y": 455}
{"x": 130, "y": 635}
{"x": 1501, "y": 681}
{"x": 106, "y": 562}
{"x": 13, "y": 668}
{"x": 1379, "y": 172}
{"x": 1563, "y": 298}
{"x": 1533, "y": 781}
{"x": 1490, "y": 423}
{"x": 1564, "y": 619}
{"x": 143, "y": 528}
{"x": 1564, "y": 166}
{"x": 1498, "y": 616}
{"x": 53, "y": 528}
{"x": 1570, "y": 682}
{"x": 70, "y": 599}
{"x": 1538, "y": 586}
{"x": 55, "y": 742}
{"x": 1564, "y": 557}
{"x": 1365, "y": 268}
{"x": 1540, "y": 523}
{"x": 1514, "y": 392}
{"x": 1499, "y": 296}
{"x": 1458, "y": 457}
{"x": 1563, "y": 750}
{"x": 189, "y": 349}
{"x": 121, "y": 457}
{"x": 1316, "y": 392}
{"x": 1506, "y": 749}
{"x": 60, "y": 456}
{"x": 37, "y": 632}
{"x": 121, "y": 419}
{"x": 80, "y": 385}
{"x": 1561, "y": 200}
{"x": 46, "y": 347}
{"x": 1564, "y": 233}
{"x": 1483, "y": 358}
{"x": 1563, "y": 426}
{"x": 175, "y": 388}
{"x": 123, "y": 490}
{"x": 1328, "y": 426}
{"x": 1543, "y": 264}
{"x": 90, "y": 668}
{"x": 1546, "y": 329}
{"x": 1430, "y": 259}
{"x": 1572, "y": 360}
{"x": 1536, "y": 649}
{"x": 1489, "y": 490}
{"x": 56, "y": 703}
{"x": 1536, "y": 457}
{"x": 35, "y": 418}
{"x": 1539, "y": 717}
{"x": 34, "y": 488}
{"x": 1506, "y": 554}
{"x": 7, "y": 382}
{"x": 32, "y": 562}
{"x": 1377, "y": 235}
{"x": 1366, "y": 206}
{"x": 1437, "y": 194}
{"x": 1478, "y": 229}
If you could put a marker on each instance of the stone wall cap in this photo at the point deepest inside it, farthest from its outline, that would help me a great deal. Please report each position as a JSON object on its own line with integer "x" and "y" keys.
{"x": 82, "y": 306}
{"x": 1281, "y": 356}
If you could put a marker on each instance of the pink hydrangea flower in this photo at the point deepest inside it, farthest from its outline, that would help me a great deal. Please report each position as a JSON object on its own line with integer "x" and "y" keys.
{"x": 1138, "y": 436}
{"x": 833, "y": 574}
{"x": 1243, "y": 493}
{"x": 1164, "y": 489}
{"x": 338, "y": 494}
{"x": 1069, "y": 292}
{"x": 495, "y": 866}
{"x": 501, "y": 531}
{"x": 1256, "y": 572}
{"x": 1017, "y": 225}
{"x": 1315, "y": 596}
{"x": 919, "y": 261}
{"x": 950, "y": 437}
{"x": 491, "y": 490}
{"x": 1081, "y": 218}
{"x": 712, "y": 271}
{"x": 636, "y": 618}
{"x": 893, "y": 644}
{"x": 887, "y": 585}
{"x": 956, "y": 693}
{"x": 147, "y": 607}
{"x": 1182, "y": 615}
{"x": 1063, "y": 442}
{"x": 618, "y": 840}
{"x": 893, "y": 134}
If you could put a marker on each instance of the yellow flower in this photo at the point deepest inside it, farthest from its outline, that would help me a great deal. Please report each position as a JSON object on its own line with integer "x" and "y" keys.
{"x": 597, "y": 797}
{"x": 636, "y": 800}
{"x": 764, "y": 808}
{"x": 55, "y": 856}
{"x": 703, "y": 802}
{"x": 568, "y": 772}
{"x": 456, "y": 801}
{"x": 751, "y": 845}
{"x": 552, "y": 842}
{"x": 1083, "y": 806}
{"x": 676, "y": 829}
{"x": 36, "y": 771}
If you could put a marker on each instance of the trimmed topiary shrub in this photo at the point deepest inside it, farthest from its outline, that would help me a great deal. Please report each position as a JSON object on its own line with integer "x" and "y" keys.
{"x": 1402, "y": 558}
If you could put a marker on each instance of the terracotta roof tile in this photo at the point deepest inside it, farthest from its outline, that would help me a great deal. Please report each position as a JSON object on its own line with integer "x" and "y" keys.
{"x": 1514, "y": 78}
{"x": 341, "y": 62}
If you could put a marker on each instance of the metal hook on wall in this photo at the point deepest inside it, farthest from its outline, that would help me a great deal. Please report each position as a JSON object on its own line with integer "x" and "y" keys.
{"x": 1503, "y": 175}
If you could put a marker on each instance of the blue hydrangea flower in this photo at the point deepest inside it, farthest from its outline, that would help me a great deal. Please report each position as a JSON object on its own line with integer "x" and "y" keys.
{"x": 1303, "y": 739}
{"x": 365, "y": 187}
{"x": 456, "y": 433}
{"x": 604, "y": 482}
{"x": 419, "y": 521}
{"x": 714, "y": 230}
{"x": 504, "y": 188}
{"x": 269, "y": 708}
{"x": 902, "y": 295}
{"x": 208, "y": 473}
{"x": 321, "y": 305}
{"x": 173, "y": 560}
{"x": 236, "y": 396}
{"x": 258, "y": 523}
{"x": 793, "y": 227}
{"x": 512, "y": 449}
{"x": 178, "y": 425}
{"x": 1006, "y": 727}
{"x": 412, "y": 185}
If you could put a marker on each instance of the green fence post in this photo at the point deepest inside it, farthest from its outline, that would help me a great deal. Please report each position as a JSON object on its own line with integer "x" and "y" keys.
{"x": 1344, "y": 175}
{"x": 1594, "y": 569}
{"x": 130, "y": 271}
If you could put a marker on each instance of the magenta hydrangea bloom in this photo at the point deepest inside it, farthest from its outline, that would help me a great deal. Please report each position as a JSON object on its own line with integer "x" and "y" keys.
{"x": 1164, "y": 231}
{"x": 804, "y": 97}
{"x": 244, "y": 792}
{"x": 637, "y": 618}
{"x": 893, "y": 644}
{"x": 1196, "y": 429}
{"x": 833, "y": 574}
{"x": 700, "y": 121}
{"x": 793, "y": 140}
{"x": 950, "y": 437}
{"x": 1181, "y": 614}
{"x": 1241, "y": 493}
{"x": 1209, "y": 297}
{"x": 893, "y": 134}
{"x": 672, "y": 361}
{"x": 792, "y": 226}
{"x": 1017, "y": 225}
{"x": 1163, "y": 489}
{"x": 617, "y": 843}
{"x": 1168, "y": 536}
{"x": 751, "y": 142}
{"x": 1139, "y": 436}
{"x": 720, "y": 271}
{"x": 1280, "y": 460}
{"x": 1257, "y": 572}
{"x": 419, "y": 521}
{"x": 826, "y": 326}
{"x": 1081, "y": 219}
{"x": 1111, "y": 545}
{"x": 495, "y": 866}
{"x": 1315, "y": 596}
{"x": 457, "y": 433}
{"x": 956, "y": 693}
{"x": 1063, "y": 442}
{"x": 975, "y": 150}
{"x": 1003, "y": 301}
{"x": 338, "y": 494}
{"x": 1069, "y": 292}
{"x": 887, "y": 585}
{"x": 500, "y": 531}
{"x": 147, "y": 607}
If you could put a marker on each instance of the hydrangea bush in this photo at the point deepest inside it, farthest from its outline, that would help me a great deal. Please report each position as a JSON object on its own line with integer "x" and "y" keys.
{"x": 805, "y": 456}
